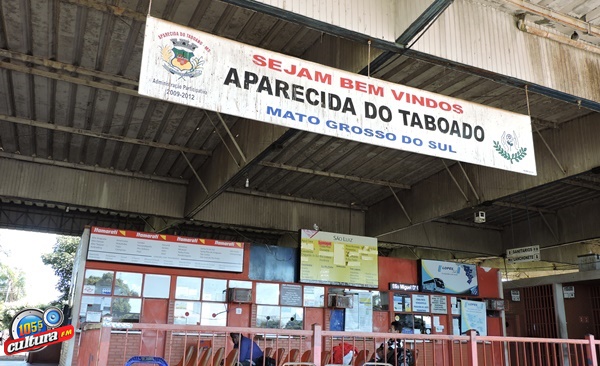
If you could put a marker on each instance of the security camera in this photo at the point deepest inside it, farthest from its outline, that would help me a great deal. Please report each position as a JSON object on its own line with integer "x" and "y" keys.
{"x": 479, "y": 217}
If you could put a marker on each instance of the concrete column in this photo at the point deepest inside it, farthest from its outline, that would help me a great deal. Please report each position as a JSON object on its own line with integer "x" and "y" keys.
{"x": 559, "y": 306}
{"x": 561, "y": 318}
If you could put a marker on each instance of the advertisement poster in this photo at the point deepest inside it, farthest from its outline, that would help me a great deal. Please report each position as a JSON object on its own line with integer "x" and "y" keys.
{"x": 449, "y": 277}
{"x": 338, "y": 259}
{"x": 473, "y": 316}
{"x": 187, "y": 66}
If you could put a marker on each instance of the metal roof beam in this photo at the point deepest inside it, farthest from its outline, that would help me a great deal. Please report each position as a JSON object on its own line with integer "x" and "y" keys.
{"x": 89, "y": 168}
{"x": 523, "y": 207}
{"x": 581, "y": 184}
{"x": 333, "y": 175}
{"x": 115, "y": 10}
{"x": 295, "y": 199}
{"x": 469, "y": 224}
{"x": 61, "y": 66}
{"x": 101, "y": 135}
{"x": 67, "y": 78}
{"x": 567, "y": 20}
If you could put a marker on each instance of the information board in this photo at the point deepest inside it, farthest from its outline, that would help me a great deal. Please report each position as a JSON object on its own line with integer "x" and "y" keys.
{"x": 291, "y": 295}
{"x": 338, "y": 259}
{"x": 439, "y": 304}
{"x": 420, "y": 303}
{"x": 123, "y": 246}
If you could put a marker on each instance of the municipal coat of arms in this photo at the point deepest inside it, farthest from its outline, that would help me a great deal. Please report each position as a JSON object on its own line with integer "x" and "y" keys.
{"x": 508, "y": 147}
{"x": 179, "y": 58}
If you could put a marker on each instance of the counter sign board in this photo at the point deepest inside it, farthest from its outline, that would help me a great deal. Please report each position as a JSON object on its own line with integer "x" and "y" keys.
{"x": 186, "y": 66}
{"x": 152, "y": 249}
{"x": 524, "y": 254}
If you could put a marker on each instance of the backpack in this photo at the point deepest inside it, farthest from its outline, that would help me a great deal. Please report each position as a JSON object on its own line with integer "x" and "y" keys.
{"x": 404, "y": 357}
{"x": 266, "y": 361}
{"x": 340, "y": 351}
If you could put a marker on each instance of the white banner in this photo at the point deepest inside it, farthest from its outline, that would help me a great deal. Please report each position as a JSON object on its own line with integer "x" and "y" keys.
{"x": 201, "y": 70}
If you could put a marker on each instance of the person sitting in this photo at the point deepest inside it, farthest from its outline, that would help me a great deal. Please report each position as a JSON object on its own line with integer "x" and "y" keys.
{"x": 394, "y": 356}
{"x": 250, "y": 352}
{"x": 392, "y": 351}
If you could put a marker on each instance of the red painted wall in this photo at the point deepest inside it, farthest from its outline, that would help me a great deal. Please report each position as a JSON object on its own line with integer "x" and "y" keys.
{"x": 243, "y": 315}
{"x": 396, "y": 270}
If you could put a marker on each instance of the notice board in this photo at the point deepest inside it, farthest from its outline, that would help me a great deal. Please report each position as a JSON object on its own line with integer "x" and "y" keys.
{"x": 338, "y": 259}
{"x": 124, "y": 246}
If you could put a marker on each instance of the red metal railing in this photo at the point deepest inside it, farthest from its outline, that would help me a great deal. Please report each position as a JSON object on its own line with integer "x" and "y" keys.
{"x": 113, "y": 344}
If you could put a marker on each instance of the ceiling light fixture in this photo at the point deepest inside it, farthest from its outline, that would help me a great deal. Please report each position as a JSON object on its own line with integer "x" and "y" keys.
{"x": 247, "y": 185}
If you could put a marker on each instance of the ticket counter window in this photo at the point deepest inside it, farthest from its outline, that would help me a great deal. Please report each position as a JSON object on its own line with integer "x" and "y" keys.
{"x": 292, "y": 318}
{"x": 268, "y": 316}
{"x": 93, "y": 308}
{"x": 157, "y": 286}
{"x": 187, "y": 312}
{"x": 267, "y": 293}
{"x": 98, "y": 282}
{"x": 214, "y": 313}
{"x": 214, "y": 290}
{"x": 128, "y": 284}
{"x": 126, "y": 310}
{"x": 422, "y": 324}
{"x": 212, "y": 310}
{"x": 188, "y": 288}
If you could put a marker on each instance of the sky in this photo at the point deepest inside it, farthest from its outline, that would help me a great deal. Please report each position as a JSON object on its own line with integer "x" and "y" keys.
{"x": 25, "y": 251}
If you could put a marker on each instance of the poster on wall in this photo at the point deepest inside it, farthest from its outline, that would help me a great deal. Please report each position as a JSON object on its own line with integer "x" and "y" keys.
{"x": 473, "y": 316}
{"x": 314, "y": 296}
{"x": 439, "y": 304}
{"x": 338, "y": 259}
{"x": 190, "y": 67}
{"x": 360, "y": 318}
{"x": 402, "y": 302}
{"x": 449, "y": 277}
{"x": 420, "y": 303}
{"x": 151, "y": 249}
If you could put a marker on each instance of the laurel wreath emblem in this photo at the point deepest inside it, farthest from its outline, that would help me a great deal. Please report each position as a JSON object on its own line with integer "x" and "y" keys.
{"x": 518, "y": 156}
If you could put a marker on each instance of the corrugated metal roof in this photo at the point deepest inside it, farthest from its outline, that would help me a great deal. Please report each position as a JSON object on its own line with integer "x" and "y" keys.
{"x": 74, "y": 64}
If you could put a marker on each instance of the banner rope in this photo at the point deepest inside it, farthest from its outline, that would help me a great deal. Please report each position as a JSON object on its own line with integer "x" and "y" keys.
{"x": 369, "y": 60}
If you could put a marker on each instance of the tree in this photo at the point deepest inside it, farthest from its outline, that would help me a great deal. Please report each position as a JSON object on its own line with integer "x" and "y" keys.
{"x": 12, "y": 283}
{"x": 61, "y": 260}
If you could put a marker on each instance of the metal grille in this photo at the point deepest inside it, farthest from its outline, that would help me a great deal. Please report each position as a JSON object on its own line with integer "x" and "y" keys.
{"x": 540, "y": 313}
{"x": 595, "y": 299}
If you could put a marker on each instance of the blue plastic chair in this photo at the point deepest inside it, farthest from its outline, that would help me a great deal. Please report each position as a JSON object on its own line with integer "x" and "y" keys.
{"x": 146, "y": 360}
